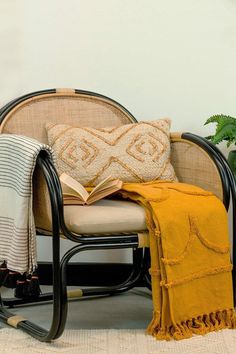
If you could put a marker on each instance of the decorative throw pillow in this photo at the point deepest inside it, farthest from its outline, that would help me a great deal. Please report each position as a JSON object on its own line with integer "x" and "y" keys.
{"x": 132, "y": 152}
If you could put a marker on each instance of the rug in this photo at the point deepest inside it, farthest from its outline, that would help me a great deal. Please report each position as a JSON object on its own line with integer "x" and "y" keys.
{"x": 116, "y": 342}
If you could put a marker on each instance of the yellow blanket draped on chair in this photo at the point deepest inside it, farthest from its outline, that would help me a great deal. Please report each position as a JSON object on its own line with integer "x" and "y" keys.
{"x": 190, "y": 259}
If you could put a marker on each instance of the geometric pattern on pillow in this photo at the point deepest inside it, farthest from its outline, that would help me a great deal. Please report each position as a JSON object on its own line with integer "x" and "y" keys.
{"x": 137, "y": 152}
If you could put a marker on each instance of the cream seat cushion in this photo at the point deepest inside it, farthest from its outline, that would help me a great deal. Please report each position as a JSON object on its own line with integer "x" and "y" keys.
{"x": 105, "y": 216}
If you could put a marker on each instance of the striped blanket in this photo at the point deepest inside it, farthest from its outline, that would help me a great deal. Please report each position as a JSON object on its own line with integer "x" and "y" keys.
{"x": 18, "y": 155}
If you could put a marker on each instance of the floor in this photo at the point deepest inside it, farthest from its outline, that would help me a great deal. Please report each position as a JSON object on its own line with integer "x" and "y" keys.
{"x": 132, "y": 310}
{"x": 108, "y": 325}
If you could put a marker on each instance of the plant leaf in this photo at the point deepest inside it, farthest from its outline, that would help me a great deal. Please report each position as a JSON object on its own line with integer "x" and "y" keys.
{"x": 225, "y": 129}
{"x": 220, "y": 118}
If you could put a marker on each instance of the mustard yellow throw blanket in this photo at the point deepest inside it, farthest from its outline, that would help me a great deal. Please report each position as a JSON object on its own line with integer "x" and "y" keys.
{"x": 190, "y": 259}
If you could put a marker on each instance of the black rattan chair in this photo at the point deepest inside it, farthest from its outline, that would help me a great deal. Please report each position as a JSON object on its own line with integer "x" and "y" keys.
{"x": 195, "y": 160}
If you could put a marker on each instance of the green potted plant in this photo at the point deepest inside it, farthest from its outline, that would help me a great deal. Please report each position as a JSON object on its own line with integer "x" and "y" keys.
{"x": 225, "y": 130}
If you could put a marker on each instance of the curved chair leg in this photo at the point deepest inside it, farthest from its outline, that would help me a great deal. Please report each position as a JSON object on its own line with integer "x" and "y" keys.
{"x": 19, "y": 321}
{"x": 135, "y": 275}
{"x": 98, "y": 291}
{"x": 60, "y": 296}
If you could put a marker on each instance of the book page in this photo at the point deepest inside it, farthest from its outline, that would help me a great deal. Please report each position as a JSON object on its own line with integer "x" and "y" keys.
{"x": 108, "y": 189}
{"x": 100, "y": 185}
{"x": 71, "y": 199}
{"x": 74, "y": 186}
{"x": 75, "y": 193}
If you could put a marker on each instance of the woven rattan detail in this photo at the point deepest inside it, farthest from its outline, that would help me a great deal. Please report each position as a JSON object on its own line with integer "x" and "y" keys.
{"x": 14, "y": 320}
{"x": 193, "y": 165}
{"x": 74, "y": 293}
{"x": 143, "y": 239}
{"x": 65, "y": 90}
{"x": 29, "y": 117}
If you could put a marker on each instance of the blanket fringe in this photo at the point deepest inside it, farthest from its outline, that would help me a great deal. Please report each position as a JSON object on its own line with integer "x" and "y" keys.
{"x": 199, "y": 325}
{"x": 11, "y": 280}
{"x": 3, "y": 273}
{"x": 26, "y": 287}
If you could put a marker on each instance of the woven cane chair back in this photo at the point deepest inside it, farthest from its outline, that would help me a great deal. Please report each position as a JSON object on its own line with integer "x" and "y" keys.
{"x": 194, "y": 166}
{"x": 28, "y": 115}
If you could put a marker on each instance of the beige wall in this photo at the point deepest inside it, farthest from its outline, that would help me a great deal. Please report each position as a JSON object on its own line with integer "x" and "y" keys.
{"x": 158, "y": 58}
{"x": 10, "y": 65}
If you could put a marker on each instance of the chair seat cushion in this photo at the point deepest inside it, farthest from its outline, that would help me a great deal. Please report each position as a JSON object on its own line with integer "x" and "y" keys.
{"x": 105, "y": 216}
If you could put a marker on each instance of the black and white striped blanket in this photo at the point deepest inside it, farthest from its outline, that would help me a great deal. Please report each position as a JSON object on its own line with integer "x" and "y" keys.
{"x": 18, "y": 156}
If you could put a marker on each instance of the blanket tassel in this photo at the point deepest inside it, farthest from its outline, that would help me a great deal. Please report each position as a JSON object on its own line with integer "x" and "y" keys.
{"x": 3, "y": 273}
{"x": 32, "y": 289}
{"x": 27, "y": 287}
{"x": 11, "y": 280}
{"x": 20, "y": 284}
{"x": 200, "y": 325}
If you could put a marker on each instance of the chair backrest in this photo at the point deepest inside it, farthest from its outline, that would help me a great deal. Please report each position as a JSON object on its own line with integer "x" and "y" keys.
{"x": 28, "y": 114}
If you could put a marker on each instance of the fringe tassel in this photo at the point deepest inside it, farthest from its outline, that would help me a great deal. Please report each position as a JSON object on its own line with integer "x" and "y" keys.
{"x": 25, "y": 287}
{"x": 28, "y": 287}
{"x": 200, "y": 325}
{"x": 155, "y": 323}
{"x": 11, "y": 279}
{"x": 3, "y": 273}
{"x": 20, "y": 284}
{"x": 32, "y": 288}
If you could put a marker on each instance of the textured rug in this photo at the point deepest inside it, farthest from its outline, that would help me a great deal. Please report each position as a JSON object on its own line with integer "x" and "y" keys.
{"x": 116, "y": 342}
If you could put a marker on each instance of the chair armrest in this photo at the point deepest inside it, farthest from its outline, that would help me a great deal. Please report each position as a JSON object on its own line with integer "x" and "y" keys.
{"x": 195, "y": 163}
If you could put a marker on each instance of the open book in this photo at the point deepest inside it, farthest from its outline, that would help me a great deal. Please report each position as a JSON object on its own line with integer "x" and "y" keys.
{"x": 75, "y": 193}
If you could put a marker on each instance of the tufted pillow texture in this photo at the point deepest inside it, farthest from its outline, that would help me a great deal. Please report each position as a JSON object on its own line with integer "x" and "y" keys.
{"x": 138, "y": 152}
